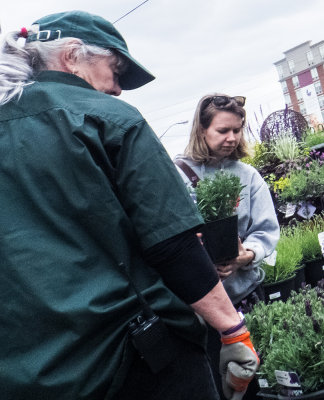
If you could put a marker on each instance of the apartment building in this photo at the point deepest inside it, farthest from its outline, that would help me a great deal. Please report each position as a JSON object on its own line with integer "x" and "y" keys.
{"x": 301, "y": 74}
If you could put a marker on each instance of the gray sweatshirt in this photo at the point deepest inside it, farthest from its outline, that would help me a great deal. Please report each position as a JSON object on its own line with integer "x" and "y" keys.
{"x": 257, "y": 221}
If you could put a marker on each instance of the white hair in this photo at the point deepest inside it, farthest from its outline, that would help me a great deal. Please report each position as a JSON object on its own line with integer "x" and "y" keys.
{"x": 19, "y": 63}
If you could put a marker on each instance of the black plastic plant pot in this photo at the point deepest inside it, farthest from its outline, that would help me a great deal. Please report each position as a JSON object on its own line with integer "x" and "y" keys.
{"x": 314, "y": 271}
{"x": 300, "y": 277}
{"x": 279, "y": 290}
{"x": 220, "y": 239}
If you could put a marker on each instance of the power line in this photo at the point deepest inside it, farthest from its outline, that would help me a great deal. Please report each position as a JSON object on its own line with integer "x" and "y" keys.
{"x": 123, "y": 16}
{"x": 176, "y": 123}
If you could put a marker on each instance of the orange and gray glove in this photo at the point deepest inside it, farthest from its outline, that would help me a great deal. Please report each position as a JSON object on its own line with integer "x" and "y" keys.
{"x": 238, "y": 365}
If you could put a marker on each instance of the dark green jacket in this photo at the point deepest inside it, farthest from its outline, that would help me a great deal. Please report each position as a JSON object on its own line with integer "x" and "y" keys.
{"x": 85, "y": 185}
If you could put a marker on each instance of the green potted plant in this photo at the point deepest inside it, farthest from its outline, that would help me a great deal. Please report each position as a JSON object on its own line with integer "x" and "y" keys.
{"x": 280, "y": 278}
{"x": 306, "y": 234}
{"x": 218, "y": 197}
{"x": 304, "y": 184}
{"x": 313, "y": 138}
{"x": 289, "y": 337}
{"x": 285, "y": 147}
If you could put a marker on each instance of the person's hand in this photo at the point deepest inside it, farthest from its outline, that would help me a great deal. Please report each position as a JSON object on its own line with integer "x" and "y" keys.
{"x": 238, "y": 365}
{"x": 244, "y": 258}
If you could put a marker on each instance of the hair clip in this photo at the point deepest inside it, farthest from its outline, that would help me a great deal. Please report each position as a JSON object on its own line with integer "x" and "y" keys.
{"x": 23, "y": 33}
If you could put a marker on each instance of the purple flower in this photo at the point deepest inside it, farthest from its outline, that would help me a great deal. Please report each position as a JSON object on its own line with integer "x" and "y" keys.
{"x": 307, "y": 165}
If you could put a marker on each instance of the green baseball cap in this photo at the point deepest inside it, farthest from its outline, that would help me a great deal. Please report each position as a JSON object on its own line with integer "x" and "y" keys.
{"x": 93, "y": 30}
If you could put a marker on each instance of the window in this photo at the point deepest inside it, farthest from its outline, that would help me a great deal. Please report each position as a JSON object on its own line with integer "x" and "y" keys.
{"x": 314, "y": 73}
{"x": 280, "y": 71}
{"x": 321, "y": 101}
{"x": 321, "y": 50}
{"x": 291, "y": 66}
{"x": 287, "y": 99}
{"x": 299, "y": 95}
{"x": 318, "y": 87}
{"x": 302, "y": 109}
{"x": 284, "y": 86}
{"x": 295, "y": 81}
{"x": 310, "y": 57}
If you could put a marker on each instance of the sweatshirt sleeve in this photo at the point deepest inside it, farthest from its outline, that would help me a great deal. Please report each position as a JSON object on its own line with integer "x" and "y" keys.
{"x": 263, "y": 231}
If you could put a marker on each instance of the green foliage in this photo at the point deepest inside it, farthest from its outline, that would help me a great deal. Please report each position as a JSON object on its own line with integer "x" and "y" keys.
{"x": 304, "y": 184}
{"x": 218, "y": 195}
{"x": 289, "y": 257}
{"x": 313, "y": 138}
{"x": 261, "y": 156}
{"x": 290, "y": 337}
{"x": 285, "y": 147}
{"x": 305, "y": 234}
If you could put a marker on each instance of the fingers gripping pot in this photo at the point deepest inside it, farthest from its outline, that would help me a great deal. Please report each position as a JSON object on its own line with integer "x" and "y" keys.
{"x": 238, "y": 365}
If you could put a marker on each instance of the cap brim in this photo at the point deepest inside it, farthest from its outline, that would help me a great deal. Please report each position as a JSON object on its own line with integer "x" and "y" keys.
{"x": 136, "y": 75}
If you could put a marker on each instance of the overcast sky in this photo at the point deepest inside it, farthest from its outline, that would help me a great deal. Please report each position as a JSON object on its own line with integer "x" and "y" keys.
{"x": 195, "y": 47}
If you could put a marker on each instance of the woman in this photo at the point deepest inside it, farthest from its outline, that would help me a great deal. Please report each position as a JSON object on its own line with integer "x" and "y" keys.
{"x": 217, "y": 143}
{"x": 78, "y": 241}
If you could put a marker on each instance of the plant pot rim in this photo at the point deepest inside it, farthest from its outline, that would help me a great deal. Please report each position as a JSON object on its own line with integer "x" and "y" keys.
{"x": 301, "y": 266}
{"x": 313, "y": 259}
{"x": 282, "y": 280}
{"x": 222, "y": 219}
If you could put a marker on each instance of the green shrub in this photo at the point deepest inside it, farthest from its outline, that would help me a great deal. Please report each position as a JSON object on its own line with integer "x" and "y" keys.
{"x": 290, "y": 337}
{"x": 306, "y": 183}
{"x": 285, "y": 147}
{"x": 261, "y": 156}
{"x": 313, "y": 138}
{"x": 218, "y": 195}
{"x": 306, "y": 233}
{"x": 289, "y": 257}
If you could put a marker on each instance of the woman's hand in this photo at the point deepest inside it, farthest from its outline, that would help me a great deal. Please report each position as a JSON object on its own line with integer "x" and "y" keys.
{"x": 244, "y": 258}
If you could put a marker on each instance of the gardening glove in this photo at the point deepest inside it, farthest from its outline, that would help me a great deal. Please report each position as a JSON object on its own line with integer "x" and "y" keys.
{"x": 238, "y": 365}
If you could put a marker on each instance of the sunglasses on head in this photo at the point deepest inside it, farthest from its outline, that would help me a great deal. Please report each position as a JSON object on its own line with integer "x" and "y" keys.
{"x": 220, "y": 101}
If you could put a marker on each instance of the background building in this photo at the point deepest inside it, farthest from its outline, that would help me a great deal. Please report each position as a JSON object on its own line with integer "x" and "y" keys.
{"x": 301, "y": 74}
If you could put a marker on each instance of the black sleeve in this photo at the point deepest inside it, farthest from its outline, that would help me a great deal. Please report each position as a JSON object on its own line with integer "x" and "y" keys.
{"x": 184, "y": 266}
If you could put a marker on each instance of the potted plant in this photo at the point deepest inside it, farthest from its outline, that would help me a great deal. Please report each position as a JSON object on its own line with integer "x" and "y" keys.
{"x": 306, "y": 234}
{"x": 304, "y": 184}
{"x": 285, "y": 147}
{"x": 289, "y": 337}
{"x": 314, "y": 138}
{"x": 280, "y": 278}
{"x": 218, "y": 197}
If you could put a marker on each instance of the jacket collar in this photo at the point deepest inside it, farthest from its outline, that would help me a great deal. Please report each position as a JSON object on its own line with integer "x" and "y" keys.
{"x": 62, "y": 77}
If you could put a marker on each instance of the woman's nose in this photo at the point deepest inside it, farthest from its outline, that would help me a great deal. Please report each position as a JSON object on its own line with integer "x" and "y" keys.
{"x": 230, "y": 136}
{"x": 116, "y": 90}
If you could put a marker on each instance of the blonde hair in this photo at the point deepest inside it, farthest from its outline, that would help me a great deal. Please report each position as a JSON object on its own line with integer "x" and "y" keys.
{"x": 206, "y": 110}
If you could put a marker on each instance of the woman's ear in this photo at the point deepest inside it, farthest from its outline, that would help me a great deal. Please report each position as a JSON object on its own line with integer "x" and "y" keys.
{"x": 68, "y": 58}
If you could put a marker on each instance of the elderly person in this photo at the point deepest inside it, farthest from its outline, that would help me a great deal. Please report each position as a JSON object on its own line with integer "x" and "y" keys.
{"x": 101, "y": 272}
{"x": 217, "y": 144}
